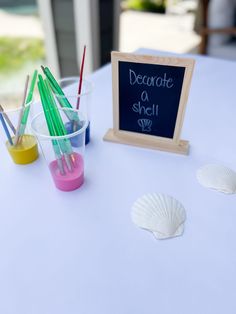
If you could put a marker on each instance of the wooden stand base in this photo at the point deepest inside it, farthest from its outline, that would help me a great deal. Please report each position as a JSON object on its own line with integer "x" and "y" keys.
{"x": 117, "y": 137}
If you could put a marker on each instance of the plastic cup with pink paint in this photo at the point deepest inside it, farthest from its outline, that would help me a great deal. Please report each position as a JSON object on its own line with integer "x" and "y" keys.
{"x": 65, "y": 162}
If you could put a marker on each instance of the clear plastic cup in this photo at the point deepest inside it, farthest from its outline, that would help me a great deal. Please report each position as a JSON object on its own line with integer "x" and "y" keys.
{"x": 23, "y": 149}
{"x": 65, "y": 161}
{"x": 69, "y": 86}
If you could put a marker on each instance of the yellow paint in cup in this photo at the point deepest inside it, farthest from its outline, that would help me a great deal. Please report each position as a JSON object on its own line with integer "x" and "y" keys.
{"x": 25, "y": 152}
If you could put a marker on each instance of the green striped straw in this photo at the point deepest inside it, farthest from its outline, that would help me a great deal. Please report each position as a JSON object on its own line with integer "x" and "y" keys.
{"x": 59, "y": 126}
{"x": 28, "y": 100}
{"x": 51, "y": 130}
{"x": 63, "y": 101}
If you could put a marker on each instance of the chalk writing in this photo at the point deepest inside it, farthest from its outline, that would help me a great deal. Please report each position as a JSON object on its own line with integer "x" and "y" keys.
{"x": 145, "y": 124}
{"x": 158, "y": 81}
{"x": 144, "y": 110}
{"x": 144, "y": 96}
{"x": 149, "y": 97}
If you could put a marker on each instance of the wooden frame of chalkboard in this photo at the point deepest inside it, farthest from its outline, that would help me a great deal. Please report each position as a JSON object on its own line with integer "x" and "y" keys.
{"x": 149, "y": 99}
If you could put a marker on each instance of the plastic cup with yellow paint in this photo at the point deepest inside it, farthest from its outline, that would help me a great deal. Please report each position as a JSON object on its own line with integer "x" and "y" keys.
{"x": 25, "y": 151}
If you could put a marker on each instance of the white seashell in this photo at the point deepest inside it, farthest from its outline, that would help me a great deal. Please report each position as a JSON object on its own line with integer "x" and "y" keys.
{"x": 159, "y": 213}
{"x": 178, "y": 232}
{"x": 145, "y": 124}
{"x": 217, "y": 177}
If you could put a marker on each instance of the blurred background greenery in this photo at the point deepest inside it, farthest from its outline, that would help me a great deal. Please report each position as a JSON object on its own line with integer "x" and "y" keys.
{"x": 16, "y": 52}
{"x": 158, "y": 6}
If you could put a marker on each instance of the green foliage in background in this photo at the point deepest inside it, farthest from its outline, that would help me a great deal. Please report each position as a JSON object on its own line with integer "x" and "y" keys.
{"x": 157, "y": 6}
{"x": 15, "y": 52}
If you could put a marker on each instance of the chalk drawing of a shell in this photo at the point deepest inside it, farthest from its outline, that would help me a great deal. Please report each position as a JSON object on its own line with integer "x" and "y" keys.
{"x": 145, "y": 124}
{"x": 159, "y": 213}
{"x": 217, "y": 177}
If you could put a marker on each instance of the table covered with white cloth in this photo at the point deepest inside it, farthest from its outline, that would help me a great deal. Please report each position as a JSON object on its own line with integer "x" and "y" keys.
{"x": 79, "y": 252}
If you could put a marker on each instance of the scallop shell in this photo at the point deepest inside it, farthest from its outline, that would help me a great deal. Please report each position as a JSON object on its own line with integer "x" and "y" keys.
{"x": 159, "y": 213}
{"x": 178, "y": 233}
{"x": 217, "y": 177}
{"x": 145, "y": 124}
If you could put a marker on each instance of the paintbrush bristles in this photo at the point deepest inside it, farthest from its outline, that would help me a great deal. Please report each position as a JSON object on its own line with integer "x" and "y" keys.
{"x": 43, "y": 68}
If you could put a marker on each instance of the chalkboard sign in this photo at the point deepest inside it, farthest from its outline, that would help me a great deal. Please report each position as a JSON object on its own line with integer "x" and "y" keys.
{"x": 149, "y": 100}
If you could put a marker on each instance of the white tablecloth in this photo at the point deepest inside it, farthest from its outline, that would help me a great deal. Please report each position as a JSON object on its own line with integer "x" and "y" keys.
{"x": 79, "y": 252}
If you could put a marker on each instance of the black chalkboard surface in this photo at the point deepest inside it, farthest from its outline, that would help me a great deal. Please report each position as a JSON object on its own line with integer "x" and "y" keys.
{"x": 149, "y": 99}
{"x": 149, "y": 96}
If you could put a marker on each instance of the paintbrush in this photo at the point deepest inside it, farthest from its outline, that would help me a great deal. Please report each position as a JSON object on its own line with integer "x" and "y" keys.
{"x": 17, "y": 135}
{"x": 81, "y": 78}
{"x": 5, "y": 127}
{"x": 8, "y": 120}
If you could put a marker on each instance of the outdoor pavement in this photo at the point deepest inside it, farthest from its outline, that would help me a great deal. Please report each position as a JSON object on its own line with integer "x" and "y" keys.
{"x": 15, "y": 25}
{"x": 169, "y": 32}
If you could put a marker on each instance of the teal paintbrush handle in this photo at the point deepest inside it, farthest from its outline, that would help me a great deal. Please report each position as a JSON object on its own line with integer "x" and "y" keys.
{"x": 24, "y": 121}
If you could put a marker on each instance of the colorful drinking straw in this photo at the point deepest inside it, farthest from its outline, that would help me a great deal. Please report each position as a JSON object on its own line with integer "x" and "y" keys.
{"x": 5, "y": 127}
{"x": 65, "y": 144}
{"x": 51, "y": 129}
{"x": 28, "y": 100}
{"x": 81, "y": 78}
{"x": 63, "y": 101}
{"x": 17, "y": 135}
{"x": 8, "y": 120}
{"x": 54, "y": 110}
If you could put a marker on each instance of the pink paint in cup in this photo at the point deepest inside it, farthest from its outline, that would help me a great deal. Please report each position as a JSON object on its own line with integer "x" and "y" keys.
{"x": 65, "y": 162}
{"x": 72, "y": 180}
